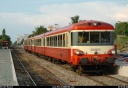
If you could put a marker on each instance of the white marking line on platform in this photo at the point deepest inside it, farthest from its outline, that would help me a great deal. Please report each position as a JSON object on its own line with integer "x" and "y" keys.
{"x": 13, "y": 70}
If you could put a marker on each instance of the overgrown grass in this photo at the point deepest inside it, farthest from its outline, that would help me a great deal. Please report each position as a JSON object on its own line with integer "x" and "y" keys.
{"x": 121, "y": 41}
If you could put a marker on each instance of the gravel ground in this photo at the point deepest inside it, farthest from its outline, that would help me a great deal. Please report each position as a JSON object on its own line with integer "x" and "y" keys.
{"x": 73, "y": 79}
{"x": 120, "y": 77}
{"x": 70, "y": 77}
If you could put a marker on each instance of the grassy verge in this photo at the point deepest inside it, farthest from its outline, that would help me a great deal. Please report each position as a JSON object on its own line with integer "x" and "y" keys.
{"x": 121, "y": 42}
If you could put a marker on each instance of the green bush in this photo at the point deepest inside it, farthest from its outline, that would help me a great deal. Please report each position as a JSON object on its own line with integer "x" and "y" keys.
{"x": 121, "y": 41}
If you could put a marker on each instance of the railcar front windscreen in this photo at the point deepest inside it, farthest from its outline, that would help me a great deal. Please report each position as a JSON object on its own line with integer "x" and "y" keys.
{"x": 92, "y": 38}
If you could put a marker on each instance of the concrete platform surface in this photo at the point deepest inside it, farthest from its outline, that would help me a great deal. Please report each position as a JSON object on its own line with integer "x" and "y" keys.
{"x": 122, "y": 66}
{"x": 7, "y": 71}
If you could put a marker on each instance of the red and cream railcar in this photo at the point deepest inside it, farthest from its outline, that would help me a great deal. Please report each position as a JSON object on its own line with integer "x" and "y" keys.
{"x": 29, "y": 44}
{"x": 39, "y": 44}
{"x": 26, "y": 45}
{"x": 81, "y": 44}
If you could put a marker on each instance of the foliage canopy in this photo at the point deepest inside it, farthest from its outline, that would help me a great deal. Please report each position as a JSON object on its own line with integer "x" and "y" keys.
{"x": 38, "y": 30}
{"x": 74, "y": 19}
{"x": 121, "y": 28}
{"x": 4, "y": 37}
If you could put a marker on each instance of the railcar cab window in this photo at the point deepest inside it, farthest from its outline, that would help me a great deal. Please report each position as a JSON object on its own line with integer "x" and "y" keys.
{"x": 92, "y": 38}
{"x": 105, "y": 37}
{"x": 83, "y": 37}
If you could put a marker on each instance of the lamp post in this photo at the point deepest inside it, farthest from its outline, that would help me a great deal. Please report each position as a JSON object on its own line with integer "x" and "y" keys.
{"x": 56, "y": 26}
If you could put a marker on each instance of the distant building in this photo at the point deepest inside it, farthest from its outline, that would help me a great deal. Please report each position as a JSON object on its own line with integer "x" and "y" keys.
{"x": 51, "y": 27}
{"x": 26, "y": 36}
{"x": 19, "y": 39}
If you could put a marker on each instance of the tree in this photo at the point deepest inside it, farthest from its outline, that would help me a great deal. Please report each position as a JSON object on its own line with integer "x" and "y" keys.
{"x": 121, "y": 28}
{"x": 22, "y": 41}
{"x": 38, "y": 30}
{"x": 3, "y": 32}
{"x": 75, "y": 19}
{"x": 4, "y": 37}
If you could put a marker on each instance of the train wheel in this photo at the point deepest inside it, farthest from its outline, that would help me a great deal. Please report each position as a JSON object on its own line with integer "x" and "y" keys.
{"x": 53, "y": 61}
{"x": 80, "y": 70}
{"x": 49, "y": 59}
{"x": 46, "y": 58}
{"x": 74, "y": 68}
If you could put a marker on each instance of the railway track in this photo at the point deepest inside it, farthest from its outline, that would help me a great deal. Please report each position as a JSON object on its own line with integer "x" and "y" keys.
{"x": 22, "y": 70}
{"x": 52, "y": 79}
{"x": 104, "y": 80}
{"x": 101, "y": 78}
{"x": 56, "y": 79}
{"x": 39, "y": 61}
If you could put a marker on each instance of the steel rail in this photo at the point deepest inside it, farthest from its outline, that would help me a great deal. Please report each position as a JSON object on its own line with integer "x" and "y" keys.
{"x": 116, "y": 79}
{"x": 49, "y": 73}
{"x": 25, "y": 69}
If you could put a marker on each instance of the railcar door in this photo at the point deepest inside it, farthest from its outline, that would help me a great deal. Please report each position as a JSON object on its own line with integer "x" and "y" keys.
{"x": 68, "y": 42}
{"x": 43, "y": 48}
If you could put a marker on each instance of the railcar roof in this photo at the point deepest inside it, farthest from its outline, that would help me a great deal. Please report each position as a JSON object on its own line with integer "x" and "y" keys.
{"x": 82, "y": 25}
{"x": 38, "y": 36}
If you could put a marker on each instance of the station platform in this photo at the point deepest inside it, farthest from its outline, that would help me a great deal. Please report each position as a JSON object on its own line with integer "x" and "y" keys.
{"x": 7, "y": 71}
{"x": 122, "y": 67}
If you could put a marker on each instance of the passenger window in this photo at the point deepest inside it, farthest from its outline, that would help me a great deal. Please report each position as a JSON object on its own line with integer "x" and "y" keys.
{"x": 64, "y": 39}
{"x": 59, "y": 40}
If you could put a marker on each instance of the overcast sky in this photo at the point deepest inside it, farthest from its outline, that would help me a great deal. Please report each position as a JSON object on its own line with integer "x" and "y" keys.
{"x": 20, "y": 17}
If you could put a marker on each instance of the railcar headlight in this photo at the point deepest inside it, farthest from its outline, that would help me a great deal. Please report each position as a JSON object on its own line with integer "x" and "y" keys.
{"x": 79, "y": 52}
{"x": 113, "y": 51}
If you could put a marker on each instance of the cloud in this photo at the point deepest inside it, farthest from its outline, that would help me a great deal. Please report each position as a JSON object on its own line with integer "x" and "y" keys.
{"x": 104, "y": 11}
{"x": 61, "y": 13}
{"x": 21, "y": 23}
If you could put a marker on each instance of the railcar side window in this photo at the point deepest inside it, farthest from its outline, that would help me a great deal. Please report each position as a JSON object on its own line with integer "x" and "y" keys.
{"x": 25, "y": 42}
{"x": 64, "y": 38}
{"x": 29, "y": 42}
{"x": 43, "y": 41}
{"x": 59, "y": 40}
{"x": 55, "y": 40}
{"x": 32, "y": 42}
{"x": 52, "y": 41}
{"x": 39, "y": 42}
{"x": 35, "y": 42}
{"x": 47, "y": 41}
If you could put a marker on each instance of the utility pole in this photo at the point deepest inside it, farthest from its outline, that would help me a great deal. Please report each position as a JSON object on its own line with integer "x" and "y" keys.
{"x": 56, "y": 26}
